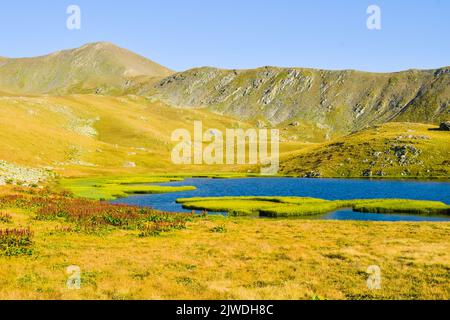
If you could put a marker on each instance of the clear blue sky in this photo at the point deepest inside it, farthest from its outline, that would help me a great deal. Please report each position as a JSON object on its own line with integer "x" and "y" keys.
{"x": 181, "y": 34}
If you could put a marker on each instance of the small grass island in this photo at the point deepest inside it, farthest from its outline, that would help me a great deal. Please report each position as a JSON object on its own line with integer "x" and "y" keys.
{"x": 298, "y": 206}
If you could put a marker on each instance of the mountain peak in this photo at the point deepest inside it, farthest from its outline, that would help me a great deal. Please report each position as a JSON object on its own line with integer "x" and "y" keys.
{"x": 93, "y": 67}
{"x": 100, "y": 45}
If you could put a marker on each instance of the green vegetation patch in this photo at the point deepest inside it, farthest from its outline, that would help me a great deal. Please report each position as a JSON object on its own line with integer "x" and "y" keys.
{"x": 110, "y": 188}
{"x": 5, "y": 217}
{"x": 297, "y": 206}
{"x": 402, "y": 206}
{"x": 14, "y": 242}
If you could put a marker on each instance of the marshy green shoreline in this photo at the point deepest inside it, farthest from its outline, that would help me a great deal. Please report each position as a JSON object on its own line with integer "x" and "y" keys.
{"x": 118, "y": 187}
{"x": 110, "y": 188}
{"x": 113, "y": 187}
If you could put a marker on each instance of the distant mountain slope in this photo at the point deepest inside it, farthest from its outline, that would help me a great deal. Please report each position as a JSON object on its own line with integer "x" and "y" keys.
{"x": 308, "y": 104}
{"x": 314, "y": 105}
{"x": 335, "y": 102}
{"x": 94, "y": 134}
{"x": 98, "y": 67}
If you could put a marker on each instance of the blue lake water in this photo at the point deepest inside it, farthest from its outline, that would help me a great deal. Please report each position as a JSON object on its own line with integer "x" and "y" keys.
{"x": 330, "y": 189}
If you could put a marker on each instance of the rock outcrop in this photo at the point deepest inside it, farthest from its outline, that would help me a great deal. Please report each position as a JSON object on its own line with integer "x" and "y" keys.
{"x": 20, "y": 175}
{"x": 445, "y": 126}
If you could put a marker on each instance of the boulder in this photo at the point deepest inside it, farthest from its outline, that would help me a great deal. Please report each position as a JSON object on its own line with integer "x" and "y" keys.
{"x": 312, "y": 174}
{"x": 445, "y": 126}
{"x": 367, "y": 173}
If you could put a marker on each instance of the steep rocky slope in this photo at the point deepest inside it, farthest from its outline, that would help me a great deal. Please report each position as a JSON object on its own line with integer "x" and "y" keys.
{"x": 333, "y": 102}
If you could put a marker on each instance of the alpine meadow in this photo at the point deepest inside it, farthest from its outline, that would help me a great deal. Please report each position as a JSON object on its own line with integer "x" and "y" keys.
{"x": 123, "y": 179}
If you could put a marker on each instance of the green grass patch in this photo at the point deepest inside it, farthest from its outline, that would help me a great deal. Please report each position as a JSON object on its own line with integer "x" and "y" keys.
{"x": 110, "y": 188}
{"x": 298, "y": 206}
{"x": 5, "y": 217}
{"x": 402, "y": 206}
{"x": 15, "y": 242}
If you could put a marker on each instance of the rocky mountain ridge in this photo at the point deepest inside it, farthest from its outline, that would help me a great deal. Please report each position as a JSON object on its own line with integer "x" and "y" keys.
{"x": 338, "y": 102}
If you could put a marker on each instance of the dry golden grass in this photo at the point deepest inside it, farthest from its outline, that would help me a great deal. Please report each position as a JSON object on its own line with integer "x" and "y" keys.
{"x": 251, "y": 259}
{"x": 44, "y": 131}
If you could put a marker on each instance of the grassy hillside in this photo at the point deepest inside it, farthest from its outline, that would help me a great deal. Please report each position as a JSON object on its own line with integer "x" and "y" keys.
{"x": 95, "y": 135}
{"x": 404, "y": 150}
{"x": 92, "y": 134}
{"x": 94, "y": 68}
{"x": 321, "y": 104}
